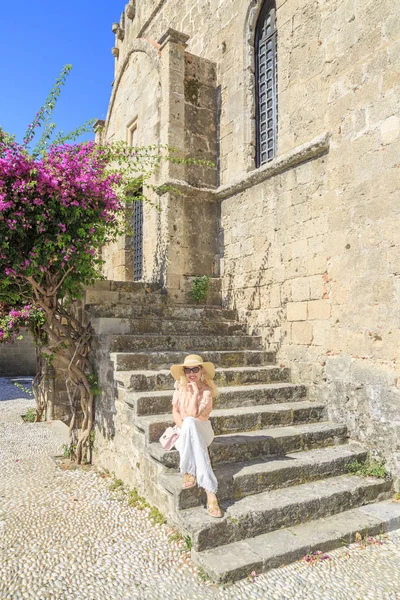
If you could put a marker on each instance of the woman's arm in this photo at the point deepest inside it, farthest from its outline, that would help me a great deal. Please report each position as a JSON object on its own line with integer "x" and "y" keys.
{"x": 193, "y": 405}
{"x": 206, "y": 404}
{"x": 176, "y": 415}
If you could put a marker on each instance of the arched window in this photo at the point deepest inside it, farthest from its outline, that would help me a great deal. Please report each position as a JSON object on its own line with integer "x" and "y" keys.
{"x": 266, "y": 73}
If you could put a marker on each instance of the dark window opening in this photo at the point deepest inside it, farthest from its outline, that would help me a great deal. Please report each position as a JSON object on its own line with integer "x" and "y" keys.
{"x": 266, "y": 75}
{"x": 137, "y": 237}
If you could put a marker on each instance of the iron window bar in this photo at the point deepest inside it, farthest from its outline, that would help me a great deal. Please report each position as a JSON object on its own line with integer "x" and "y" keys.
{"x": 137, "y": 219}
{"x": 266, "y": 75}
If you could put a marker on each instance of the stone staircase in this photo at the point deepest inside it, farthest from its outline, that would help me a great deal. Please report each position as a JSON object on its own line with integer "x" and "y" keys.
{"x": 281, "y": 466}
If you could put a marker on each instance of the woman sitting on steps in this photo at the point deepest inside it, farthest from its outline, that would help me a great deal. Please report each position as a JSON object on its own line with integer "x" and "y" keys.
{"x": 191, "y": 408}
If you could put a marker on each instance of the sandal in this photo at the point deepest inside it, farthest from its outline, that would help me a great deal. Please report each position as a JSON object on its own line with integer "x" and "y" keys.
{"x": 189, "y": 481}
{"x": 214, "y": 509}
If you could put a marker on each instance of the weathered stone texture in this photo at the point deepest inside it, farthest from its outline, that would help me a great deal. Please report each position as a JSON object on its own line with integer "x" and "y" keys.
{"x": 309, "y": 252}
{"x": 18, "y": 358}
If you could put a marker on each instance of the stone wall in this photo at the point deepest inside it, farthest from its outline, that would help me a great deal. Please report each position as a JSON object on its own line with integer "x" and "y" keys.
{"x": 309, "y": 244}
{"x": 168, "y": 97}
{"x": 18, "y": 358}
{"x": 137, "y": 123}
{"x": 119, "y": 445}
{"x": 200, "y": 123}
{"x": 312, "y": 254}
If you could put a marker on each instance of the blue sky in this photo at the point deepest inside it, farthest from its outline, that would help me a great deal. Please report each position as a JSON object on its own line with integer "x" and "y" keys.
{"x": 37, "y": 39}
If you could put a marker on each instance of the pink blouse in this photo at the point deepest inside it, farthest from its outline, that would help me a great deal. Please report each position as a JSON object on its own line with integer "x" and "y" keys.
{"x": 181, "y": 399}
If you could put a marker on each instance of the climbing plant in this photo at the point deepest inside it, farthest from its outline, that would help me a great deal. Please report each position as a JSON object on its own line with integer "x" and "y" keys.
{"x": 60, "y": 203}
{"x": 200, "y": 288}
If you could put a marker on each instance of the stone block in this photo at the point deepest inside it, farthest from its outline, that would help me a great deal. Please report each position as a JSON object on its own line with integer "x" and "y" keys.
{"x": 338, "y": 368}
{"x": 275, "y": 295}
{"x": 319, "y": 309}
{"x": 121, "y": 273}
{"x": 390, "y": 130}
{"x": 316, "y": 264}
{"x": 339, "y": 220}
{"x": 300, "y": 289}
{"x": 383, "y": 291}
{"x": 393, "y": 259}
{"x": 321, "y": 330}
{"x": 302, "y": 333}
{"x": 247, "y": 246}
{"x": 299, "y": 248}
{"x": 317, "y": 286}
{"x": 296, "y": 311}
{"x": 101, "y": 297}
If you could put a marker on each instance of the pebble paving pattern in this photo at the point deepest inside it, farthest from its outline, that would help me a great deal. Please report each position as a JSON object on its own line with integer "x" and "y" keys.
{"x": 65, "y": 536}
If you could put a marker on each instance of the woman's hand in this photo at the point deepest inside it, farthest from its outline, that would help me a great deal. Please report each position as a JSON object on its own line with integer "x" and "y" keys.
{"x": 193, "y": 388}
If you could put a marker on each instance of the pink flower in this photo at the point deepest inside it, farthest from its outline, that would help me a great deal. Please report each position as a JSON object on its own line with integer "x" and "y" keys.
{"x": 62, "y": 227}
{"x": 5, "y": 205}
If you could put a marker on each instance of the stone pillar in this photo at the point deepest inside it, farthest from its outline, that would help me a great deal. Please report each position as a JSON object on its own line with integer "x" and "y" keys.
{"x": 98, "y": 130}
{"x": 172, "y": 133}
{"x": 172, "y": 49}
{"x": 188, "y": 219}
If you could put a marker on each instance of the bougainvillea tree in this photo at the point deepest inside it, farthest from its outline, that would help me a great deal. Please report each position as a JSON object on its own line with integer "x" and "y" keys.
{"x": 58, "y": 206}
{"x": 55, "y": 212}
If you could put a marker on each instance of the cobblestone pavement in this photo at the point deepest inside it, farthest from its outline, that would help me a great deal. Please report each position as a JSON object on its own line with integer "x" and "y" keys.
{"x": 65, "y": 536}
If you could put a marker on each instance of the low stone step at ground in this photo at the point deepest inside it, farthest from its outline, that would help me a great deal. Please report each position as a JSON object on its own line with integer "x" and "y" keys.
{"x": 239, "y": 480}
{"x": 250, "y": 445}
{"x": 191, "y": 344}
{"x": 153, "y": 403}
{"x": 147, "y": 311}
{"x": 129, "y": 361}
{"x": 234, "y": 420}
{"x": 268, "y": 511}
{"x": 104, "y": 325}
{"x": 163, "y": 380}
{"x": 270, "y": 550}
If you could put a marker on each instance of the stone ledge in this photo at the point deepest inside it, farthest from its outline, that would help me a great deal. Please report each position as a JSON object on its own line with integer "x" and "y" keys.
{"x": 312, "y": 149}
{"x": 316, "y": 147}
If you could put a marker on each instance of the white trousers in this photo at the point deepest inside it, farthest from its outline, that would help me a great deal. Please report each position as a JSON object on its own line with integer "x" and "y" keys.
{"x": 194, "y": 438}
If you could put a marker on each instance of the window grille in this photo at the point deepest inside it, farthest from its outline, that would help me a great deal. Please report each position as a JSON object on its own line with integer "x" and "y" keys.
{"x": 266, "y": 75}
{"x": 138, "y": 238}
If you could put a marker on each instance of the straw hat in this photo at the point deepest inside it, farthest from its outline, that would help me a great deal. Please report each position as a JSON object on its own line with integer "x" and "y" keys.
{"x": 193, "y": 360}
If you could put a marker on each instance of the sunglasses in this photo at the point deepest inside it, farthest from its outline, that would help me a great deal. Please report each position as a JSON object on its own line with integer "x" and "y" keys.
{"x": 187, "y": 370}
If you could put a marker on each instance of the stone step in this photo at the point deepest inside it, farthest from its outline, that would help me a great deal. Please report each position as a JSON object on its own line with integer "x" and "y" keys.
{"x": 137, "y": 287}
{"x": 123, "y": 292}
{"x": 129, "y": 361}
{"x": 249, "y": 445}
{"x": 147, "y": 311}
{"x": 163, "y": 380}
{"x": 192, "y": 344}
{"x": 100, "y": 297}
{"x": 234, "y": 420}
{"x": 155, "y": 403}
{"x": 270, "y": 550}
{"x": 104, "y": 325}
{"x": 239, "y": 480}
{"x": 268, "y": 511}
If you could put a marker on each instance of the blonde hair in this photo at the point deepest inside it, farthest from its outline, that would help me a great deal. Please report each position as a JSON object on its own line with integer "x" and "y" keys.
{"x": 206, "y": 380}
